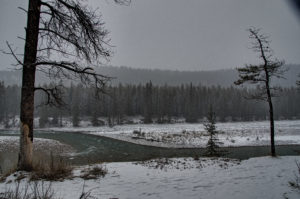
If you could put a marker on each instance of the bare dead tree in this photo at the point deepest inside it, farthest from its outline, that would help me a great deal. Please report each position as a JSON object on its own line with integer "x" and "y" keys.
{"x": 64, "y": 39}
{"x": 262, "y": 74}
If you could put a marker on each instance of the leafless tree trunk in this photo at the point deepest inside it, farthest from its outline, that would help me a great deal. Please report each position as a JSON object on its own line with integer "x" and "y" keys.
{"x": 262, "y": 74}
{"x": 27, "y": 96}
{"x": 271, "y": 112}
{"x": 67, "y": 28}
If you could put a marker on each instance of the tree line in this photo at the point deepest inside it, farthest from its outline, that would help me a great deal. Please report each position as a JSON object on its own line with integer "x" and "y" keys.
{"x": 159, "y": 104}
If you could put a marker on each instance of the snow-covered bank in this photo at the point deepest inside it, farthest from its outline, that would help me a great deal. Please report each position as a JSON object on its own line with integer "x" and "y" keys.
{"x": 264, "y": 177}
{"x": 11, "y": 144}
{"x": 193, "y": 135}
{"x": 42, "y": 150}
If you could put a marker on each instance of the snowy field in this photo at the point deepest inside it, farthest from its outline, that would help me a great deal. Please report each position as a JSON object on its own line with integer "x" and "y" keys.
{"x": 262, "y": 178}
{"x": 193, "y": 135}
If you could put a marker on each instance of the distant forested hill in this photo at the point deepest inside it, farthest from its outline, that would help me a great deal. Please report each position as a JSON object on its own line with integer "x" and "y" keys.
{"x": 127, "y": 75}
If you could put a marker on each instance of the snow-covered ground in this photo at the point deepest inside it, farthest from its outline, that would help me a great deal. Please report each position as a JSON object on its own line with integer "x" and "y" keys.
{"x": 11, "y": 144}
{"x": 263, "y": 177}
{"x": 193, "y": 135}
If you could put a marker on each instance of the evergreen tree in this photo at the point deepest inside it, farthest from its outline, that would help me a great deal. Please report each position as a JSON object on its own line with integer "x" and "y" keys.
{"x": 2, "y": 101}
{"x": 191, "y": 106}
{"x": 76, "y": 94}
{"x": 213, "y": 141}
{"x": 167, "y": 102}
{"x": 148, "y": 103}
{"x": 75, "y": 115}
{"x": 54, "y": 121}
{"x": 95, "y": 121}
{"x": 44, "y": 117}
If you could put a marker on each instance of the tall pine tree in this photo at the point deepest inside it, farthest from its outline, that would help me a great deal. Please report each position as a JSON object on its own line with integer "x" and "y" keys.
{"x": 262, "y": 75}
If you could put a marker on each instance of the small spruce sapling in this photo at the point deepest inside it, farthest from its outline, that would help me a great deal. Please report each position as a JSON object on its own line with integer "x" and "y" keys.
{"x": 213, "y": 141}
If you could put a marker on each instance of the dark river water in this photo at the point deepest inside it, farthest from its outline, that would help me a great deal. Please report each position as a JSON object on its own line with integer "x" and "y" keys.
{"x": 94, "y": 149}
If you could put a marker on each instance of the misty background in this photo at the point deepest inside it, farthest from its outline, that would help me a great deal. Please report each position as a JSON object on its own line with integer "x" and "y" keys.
{"x": 178, "y": 35}
{"x": 180, "y": 55}
{"x": 124, "y": 75}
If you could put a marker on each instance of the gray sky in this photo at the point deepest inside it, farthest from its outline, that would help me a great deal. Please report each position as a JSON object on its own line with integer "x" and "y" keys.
{"x": 177, "y": 34}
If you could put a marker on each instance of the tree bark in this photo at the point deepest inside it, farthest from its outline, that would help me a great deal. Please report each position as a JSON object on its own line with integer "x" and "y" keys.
{"x": 28, "y": 80}
{"x": 271, "y": 113}
{"x": 272, "y": 133}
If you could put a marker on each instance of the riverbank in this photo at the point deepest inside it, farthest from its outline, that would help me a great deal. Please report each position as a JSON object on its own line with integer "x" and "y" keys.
{"x": 261, "y": 177}
{"x": 183, "y": 135}
{"x": 11, "y": 144}
{"x": 177, "y": 178}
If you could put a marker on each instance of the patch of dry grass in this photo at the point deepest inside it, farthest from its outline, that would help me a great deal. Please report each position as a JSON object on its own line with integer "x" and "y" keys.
{"x": 54, "y": 170}
{"x": 36, "y": 190}
{"x": 94, "y": 172}
{"x": 6, "y": 174}
{"x": 296, "y": 183}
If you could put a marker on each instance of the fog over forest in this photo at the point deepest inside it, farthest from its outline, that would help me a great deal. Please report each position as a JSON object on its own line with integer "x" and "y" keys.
{"x": 128, "y": 75}
{"x": 160, "y": 96}
{"x": 151, "y": 103}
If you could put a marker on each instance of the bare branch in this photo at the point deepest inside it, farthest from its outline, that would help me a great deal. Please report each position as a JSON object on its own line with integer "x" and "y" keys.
{"x": 123, "y": 2}
{"x": 72, "y": 70}
{"x": 73, "y": 25}
{"x": 11, "y": 52}
{"x": 65, "y": 54}
{"x": 22, "y": 38}
{"x": 23, "y": 9}
{"x": 54, "y": 95}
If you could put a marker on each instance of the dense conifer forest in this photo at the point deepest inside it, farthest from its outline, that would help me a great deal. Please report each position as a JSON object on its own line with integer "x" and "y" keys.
{"x": 153, "y": 103}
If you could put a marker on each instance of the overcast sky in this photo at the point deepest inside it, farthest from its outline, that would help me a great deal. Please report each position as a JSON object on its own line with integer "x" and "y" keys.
{"x": 177, "y": 34}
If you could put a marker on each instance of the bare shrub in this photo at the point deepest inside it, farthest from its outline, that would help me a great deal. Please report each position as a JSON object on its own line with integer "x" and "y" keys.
{"x": 296, "y": 183}
{"x": 94, "y": 172}
{"x": 54, "y": 170}
{"x": 40, "y": 190}
{"x": 6, "y": 174}
{"x": 36, "y": 190}
{"x": 86, "y": 194}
